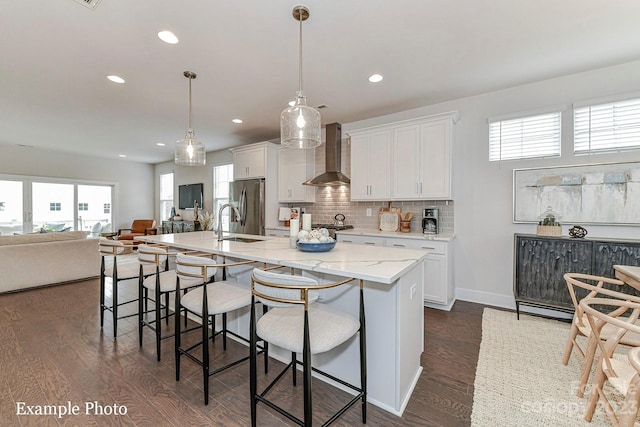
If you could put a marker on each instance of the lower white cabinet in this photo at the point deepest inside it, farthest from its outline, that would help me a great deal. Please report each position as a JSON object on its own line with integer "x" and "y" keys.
{"x": 360, "y": 240}
{"x": 438, "y": 289}
{"x": 276, "y": 232}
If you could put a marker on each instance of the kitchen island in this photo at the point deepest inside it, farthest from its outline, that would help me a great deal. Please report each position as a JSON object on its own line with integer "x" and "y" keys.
{"x": 393, "y": 299}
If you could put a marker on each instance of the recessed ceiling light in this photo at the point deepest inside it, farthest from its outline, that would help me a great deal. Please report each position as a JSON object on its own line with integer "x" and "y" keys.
{"x": 375, "y": 78}
{"x": 116, "y": 79}
{"x": 122, "y": 155}
{"x": 168, "y": 37}
{"x": 160, "y": 144}
{"x": 237, "y": 121}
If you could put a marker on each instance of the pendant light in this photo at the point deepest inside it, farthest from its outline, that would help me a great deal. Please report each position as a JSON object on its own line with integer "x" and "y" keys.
{"x": 300, "y": 124}
{"x": 189, "y": 151}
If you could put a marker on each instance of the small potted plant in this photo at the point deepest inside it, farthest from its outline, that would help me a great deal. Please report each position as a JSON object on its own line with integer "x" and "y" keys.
{"x": 549, "y": 223}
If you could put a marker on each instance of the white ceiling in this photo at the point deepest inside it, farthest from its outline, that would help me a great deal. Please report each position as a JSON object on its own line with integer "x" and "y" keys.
{"x": 55, "y": 55}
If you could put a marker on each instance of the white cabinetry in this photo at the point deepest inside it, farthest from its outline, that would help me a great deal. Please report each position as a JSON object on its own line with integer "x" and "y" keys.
{"x": 260, "y": 160}
{"x": 250, "y": 161}
{"x": 370, "y": 165}
{"x": 294, "y": 168}
{"x": 276, "y": 232}
{"x": 360, "y": 240}
{"x": 414, "y": 162}
{"x": 438, "y": 284}
{"x": 421, "y": 160}
{"x": 438, "y": 268}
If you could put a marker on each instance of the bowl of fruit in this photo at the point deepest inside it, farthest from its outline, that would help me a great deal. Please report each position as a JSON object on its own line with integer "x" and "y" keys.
{"x": 317, "y": 240}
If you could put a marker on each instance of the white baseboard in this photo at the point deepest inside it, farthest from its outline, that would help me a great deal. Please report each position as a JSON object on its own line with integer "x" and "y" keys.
{"x": 505, "y": 301}
{"x": 445, "y": 307}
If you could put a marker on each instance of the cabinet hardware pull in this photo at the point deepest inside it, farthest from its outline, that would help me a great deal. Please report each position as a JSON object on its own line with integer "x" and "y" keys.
{"x": 428, "y": 247}
{"x": 398, "y": 245}
{"x": 369, "y": 243}
{"x": 347, "y": 241}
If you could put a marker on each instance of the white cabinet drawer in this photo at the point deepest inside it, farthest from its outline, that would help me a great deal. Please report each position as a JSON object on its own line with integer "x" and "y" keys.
{"x": 432, "y": 246}
{"x": 361, "y": 240}
{"x": 276, "y": 232}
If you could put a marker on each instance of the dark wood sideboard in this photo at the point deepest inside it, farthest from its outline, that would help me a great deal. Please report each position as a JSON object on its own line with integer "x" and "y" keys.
{"x": 170, "y": 227}
{"x": 541, "y": 261}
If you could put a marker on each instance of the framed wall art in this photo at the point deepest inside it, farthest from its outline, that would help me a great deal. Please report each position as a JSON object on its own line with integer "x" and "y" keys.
{"x": 604, "y": 193}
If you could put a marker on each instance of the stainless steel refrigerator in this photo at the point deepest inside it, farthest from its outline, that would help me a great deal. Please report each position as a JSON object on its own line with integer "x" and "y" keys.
{"x": 248, "y": 196}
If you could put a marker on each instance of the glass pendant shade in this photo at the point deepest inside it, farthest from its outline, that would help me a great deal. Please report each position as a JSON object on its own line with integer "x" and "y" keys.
{"x": 300, "y": 125}
{"x": 189, "y": 151}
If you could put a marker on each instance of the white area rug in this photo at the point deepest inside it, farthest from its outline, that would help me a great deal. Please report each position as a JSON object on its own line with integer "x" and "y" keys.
{"x": 520, "y": 378}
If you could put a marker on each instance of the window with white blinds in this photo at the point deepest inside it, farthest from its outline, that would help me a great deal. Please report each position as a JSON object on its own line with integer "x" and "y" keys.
{"x": 606, "y": 127}
{"x": 523, "y": 138}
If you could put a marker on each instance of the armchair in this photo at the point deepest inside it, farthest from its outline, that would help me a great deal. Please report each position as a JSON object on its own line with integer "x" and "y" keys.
{"x": 139, "y": 227}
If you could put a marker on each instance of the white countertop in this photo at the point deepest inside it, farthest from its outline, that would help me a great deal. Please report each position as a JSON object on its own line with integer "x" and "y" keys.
{"x": 377, "y": 264}
{"x": 397, "y": 234}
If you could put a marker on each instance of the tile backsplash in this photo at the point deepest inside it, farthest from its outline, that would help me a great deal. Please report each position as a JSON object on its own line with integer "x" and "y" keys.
{"x": 333, "y": 200}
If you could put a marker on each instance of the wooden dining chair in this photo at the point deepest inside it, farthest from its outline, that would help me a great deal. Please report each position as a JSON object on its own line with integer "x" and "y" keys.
{"x": 582, "y": 286}
{"x": 620, "y": 371}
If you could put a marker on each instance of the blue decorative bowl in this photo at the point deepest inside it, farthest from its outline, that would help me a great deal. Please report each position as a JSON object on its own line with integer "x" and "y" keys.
{"x": 315, "y": 247}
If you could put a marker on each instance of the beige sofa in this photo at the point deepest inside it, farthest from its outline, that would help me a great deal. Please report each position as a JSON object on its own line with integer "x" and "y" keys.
{"x": 31, "y": 260}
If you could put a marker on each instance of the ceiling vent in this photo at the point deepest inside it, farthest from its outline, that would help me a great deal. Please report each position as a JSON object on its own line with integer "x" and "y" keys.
{"x": 91, "y": 4}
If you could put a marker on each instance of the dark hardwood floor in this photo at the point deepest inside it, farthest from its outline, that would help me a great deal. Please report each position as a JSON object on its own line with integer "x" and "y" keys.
{"x": 53, "y": 352}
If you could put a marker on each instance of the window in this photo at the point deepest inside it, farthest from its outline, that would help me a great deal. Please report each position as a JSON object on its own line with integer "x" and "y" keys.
{"x": 606, "y": 127}
{"x": 54, "y": 207}
{"x": 83, "y": 206}
{"x": 166, "y": 195}
{"x": 222, "y": 175}
{"x": 107, "y": 208}
{"x": 523, "y": 138}
{"x": 2, "y": 206}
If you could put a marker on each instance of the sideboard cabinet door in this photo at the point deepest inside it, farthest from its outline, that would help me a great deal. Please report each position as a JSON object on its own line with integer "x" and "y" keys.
{"x": 608, "y": 254}
{"x": 541, "y": 263}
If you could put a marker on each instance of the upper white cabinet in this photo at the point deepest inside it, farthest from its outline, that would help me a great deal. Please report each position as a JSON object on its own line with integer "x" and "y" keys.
{"x": 370, "y": 164}
{"x": 421, "y": 160}
{"x": 294, "y": 168}
{"x": 260, "y": 160}
{"x": 418, "y": 158}
{"x": 250, "y": 161}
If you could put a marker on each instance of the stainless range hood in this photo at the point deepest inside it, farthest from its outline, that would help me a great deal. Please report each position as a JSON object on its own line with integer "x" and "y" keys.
{"x": 333, "y": 147}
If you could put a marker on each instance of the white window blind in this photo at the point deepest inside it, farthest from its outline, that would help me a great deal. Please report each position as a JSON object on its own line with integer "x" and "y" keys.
{"x": 523, "y": 138}
{"x": 606, "y": 127}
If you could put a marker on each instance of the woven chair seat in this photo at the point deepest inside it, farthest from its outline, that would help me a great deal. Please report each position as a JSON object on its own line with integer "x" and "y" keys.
{"x": 631, "y": 339}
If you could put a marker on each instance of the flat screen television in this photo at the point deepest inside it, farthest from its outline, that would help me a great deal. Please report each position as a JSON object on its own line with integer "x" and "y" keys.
{"x": 187, "y": 194}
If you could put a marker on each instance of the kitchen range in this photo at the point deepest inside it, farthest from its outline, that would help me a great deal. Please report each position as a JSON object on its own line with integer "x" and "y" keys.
{"x": 338, "y": 225}
{"x": 333, "y": 228}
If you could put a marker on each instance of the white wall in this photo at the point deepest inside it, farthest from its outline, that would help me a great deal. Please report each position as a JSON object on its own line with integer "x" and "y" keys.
{"x": 134, "y": 181}
{"x": 483, "y": 248}
{"x": 191, "y": 175}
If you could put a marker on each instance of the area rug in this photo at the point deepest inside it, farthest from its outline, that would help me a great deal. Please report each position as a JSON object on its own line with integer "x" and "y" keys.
{"x": 520, "y": 378}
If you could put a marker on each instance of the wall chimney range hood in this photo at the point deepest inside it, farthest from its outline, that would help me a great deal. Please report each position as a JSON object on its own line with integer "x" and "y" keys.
{"x": 333, "y": 146}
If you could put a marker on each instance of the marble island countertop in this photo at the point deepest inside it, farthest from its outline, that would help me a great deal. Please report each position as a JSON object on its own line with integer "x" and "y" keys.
{"x": 377, "y": 264}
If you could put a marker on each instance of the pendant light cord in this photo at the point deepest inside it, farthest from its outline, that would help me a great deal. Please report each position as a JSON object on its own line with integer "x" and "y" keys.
{"x": 190, "y": 78}
{"x": 300, "y": 54}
